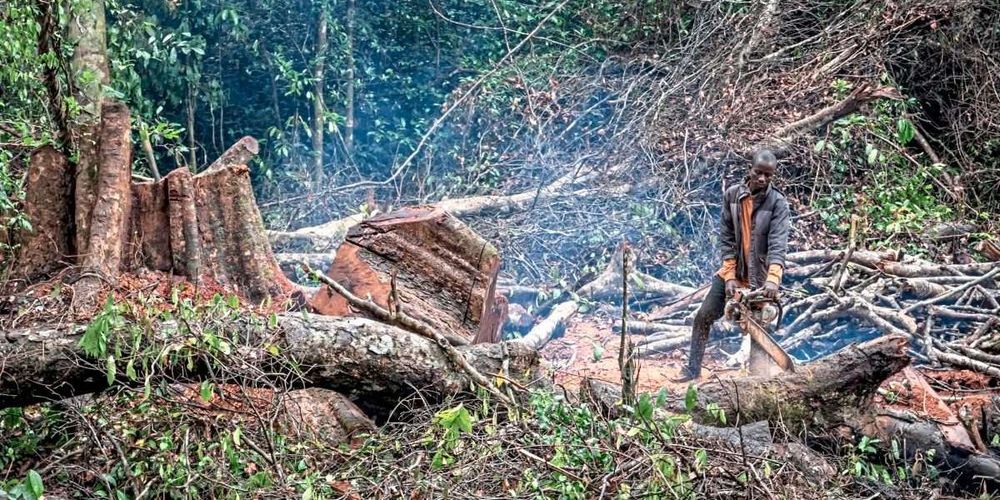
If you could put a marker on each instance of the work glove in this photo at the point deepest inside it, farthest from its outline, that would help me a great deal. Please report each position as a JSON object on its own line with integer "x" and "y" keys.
{"x": 771, "y": 290}
{"x": 731, "y": 286}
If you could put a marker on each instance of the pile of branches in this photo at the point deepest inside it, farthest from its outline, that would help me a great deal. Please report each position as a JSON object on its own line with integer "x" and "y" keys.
{"x": 950, "y": 312}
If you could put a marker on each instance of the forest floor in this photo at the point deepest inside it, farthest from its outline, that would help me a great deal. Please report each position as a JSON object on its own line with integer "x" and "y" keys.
{"x": 589, "y": 349}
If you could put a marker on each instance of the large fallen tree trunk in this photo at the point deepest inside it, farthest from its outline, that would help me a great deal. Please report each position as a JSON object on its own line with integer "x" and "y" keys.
{"x": 827, "y": 392}
{"x": 424, "y": 263}
{"x": 375, "y": 364}
{"x": 831, "y": 394}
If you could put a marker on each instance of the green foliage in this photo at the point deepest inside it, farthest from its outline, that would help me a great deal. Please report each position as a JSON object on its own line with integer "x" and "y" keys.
{"x": 30, "y": 488}
{"x": 899, "y": 194}
{"x": 452, "y": 422}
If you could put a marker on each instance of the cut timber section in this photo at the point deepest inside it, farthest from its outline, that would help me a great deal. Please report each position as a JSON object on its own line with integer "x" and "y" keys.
{"x": 444, "y": 273}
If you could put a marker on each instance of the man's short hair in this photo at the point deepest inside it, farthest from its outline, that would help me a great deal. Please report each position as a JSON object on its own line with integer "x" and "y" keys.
{"x": 763, "y": 156}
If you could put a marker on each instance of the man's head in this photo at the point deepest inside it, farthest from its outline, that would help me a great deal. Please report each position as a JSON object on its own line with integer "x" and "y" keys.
{"x": 762, "y": 170}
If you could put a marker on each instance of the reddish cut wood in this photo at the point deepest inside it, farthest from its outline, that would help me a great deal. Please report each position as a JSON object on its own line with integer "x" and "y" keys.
{"x": 47, "y": 207}
{"x": 445, "y": 273}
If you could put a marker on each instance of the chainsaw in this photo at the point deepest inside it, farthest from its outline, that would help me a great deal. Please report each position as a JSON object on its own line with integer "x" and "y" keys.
{"x": 753, "y": 311}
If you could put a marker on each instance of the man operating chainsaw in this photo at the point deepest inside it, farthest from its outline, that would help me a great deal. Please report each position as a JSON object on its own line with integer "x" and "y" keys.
{"x": 754, "y": 240}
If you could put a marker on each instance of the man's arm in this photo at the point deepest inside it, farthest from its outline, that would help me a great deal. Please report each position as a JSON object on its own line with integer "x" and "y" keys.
{"x": 777, "y": 241}
{"x": 727, "y": 241}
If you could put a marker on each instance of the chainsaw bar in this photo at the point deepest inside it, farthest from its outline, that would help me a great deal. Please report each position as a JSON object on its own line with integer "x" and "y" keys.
{"x": 759, "y": 335}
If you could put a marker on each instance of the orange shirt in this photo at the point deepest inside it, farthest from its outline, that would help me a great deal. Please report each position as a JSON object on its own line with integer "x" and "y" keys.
{"x": 728, "y": 270}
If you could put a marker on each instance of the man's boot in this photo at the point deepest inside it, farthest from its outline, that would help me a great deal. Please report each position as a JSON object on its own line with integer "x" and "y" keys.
{"x": 693, "y": 370}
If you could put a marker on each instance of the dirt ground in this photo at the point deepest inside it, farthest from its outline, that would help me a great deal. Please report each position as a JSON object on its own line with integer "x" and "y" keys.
{"x": 589, "y": 348}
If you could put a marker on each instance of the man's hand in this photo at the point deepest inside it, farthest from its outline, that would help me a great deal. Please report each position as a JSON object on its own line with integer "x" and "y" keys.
{"x": 731, "y": 286}
{"x": 771, "y": 290}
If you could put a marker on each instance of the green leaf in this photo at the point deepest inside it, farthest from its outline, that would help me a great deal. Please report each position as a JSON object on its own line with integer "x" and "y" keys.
{"x": 35, "y": 483}
{"x": 130, "y": 370}
{"x": 207, "y": 390}
{"x": 871, "y": 154}
{"x": 661, "y": 397}
{"x": 598, "y": 351}
{"x": 112, "y": 369}
{"x": 700, "y": 458}
{"x": 691, "y": 398}
{"x": 904, "y": 131}
{"x": 236, "y": 436}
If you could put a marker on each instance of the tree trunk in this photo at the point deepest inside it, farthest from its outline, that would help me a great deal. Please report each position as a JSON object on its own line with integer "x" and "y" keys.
{"x": 197, "y": 226}
{"x": 827, "y": 392}
{"x": 328, "y": 236}
{"x": 109, "y": 217}
{"x": 444, "y": 273}
{"x": 374, "y": 364}
{"x": 350, "y": 76}
{"x": 89, "y": 65}
{"x": 48, "y": 43}
{"x": 206, "y": 226}
{"x": 192, "y": 145}
{"x": 319, "y": 83}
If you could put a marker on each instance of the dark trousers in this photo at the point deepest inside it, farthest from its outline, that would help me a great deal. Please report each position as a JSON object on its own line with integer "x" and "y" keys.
{"x": 711, "y": 310}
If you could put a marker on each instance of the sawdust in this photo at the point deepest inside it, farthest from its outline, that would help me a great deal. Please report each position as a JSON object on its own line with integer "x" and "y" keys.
{"x": 589, "y": 348}
{"x": 903, "y": 394}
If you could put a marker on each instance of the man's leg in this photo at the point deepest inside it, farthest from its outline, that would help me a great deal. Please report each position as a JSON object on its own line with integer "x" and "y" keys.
{"x": 711, "y": 310}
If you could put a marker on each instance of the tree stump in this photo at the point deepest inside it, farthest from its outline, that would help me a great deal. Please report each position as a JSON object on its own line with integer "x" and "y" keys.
{"x": 424, "y": 263}
{"x": 195, "y": 226}
{"x": 47, "y": 207}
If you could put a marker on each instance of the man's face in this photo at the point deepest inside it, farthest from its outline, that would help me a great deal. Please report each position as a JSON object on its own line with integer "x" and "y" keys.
{"x": 760, "y": 176}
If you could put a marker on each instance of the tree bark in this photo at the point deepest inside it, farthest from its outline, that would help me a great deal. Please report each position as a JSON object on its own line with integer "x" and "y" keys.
{"x": 374, "y": 364}
{"x": 47, "y": 207}
{"x": 319, "y": 84}
{"x": 89, "y": 65}
{"x": 444, "y": 273}
{"x": 827, "y": 392}
{"x": 215, "y": 231}
{"x": 239, "y": 153}
{"x": 110, "y": 214}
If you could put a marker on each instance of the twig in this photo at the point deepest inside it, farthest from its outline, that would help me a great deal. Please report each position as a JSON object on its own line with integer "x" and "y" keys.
{"x": 838, "y": 280}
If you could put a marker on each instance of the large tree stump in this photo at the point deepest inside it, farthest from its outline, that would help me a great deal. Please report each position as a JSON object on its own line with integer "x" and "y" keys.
{"x": 195, "y": 226}
{"x": 206, "y": 225}
{"x": 444, "y": 273}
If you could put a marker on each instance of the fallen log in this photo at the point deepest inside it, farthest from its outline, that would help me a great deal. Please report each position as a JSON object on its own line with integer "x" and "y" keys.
{"x": 423, "y": 263}
{"x": 550, "y": 326}
{"x": 826, "y": 392}
{"x": 327, "y": 237}
{"x": 374, "y": 364}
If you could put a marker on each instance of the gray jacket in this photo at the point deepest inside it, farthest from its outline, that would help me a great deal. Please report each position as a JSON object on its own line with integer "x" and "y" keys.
{"x": 768, "y": 233}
